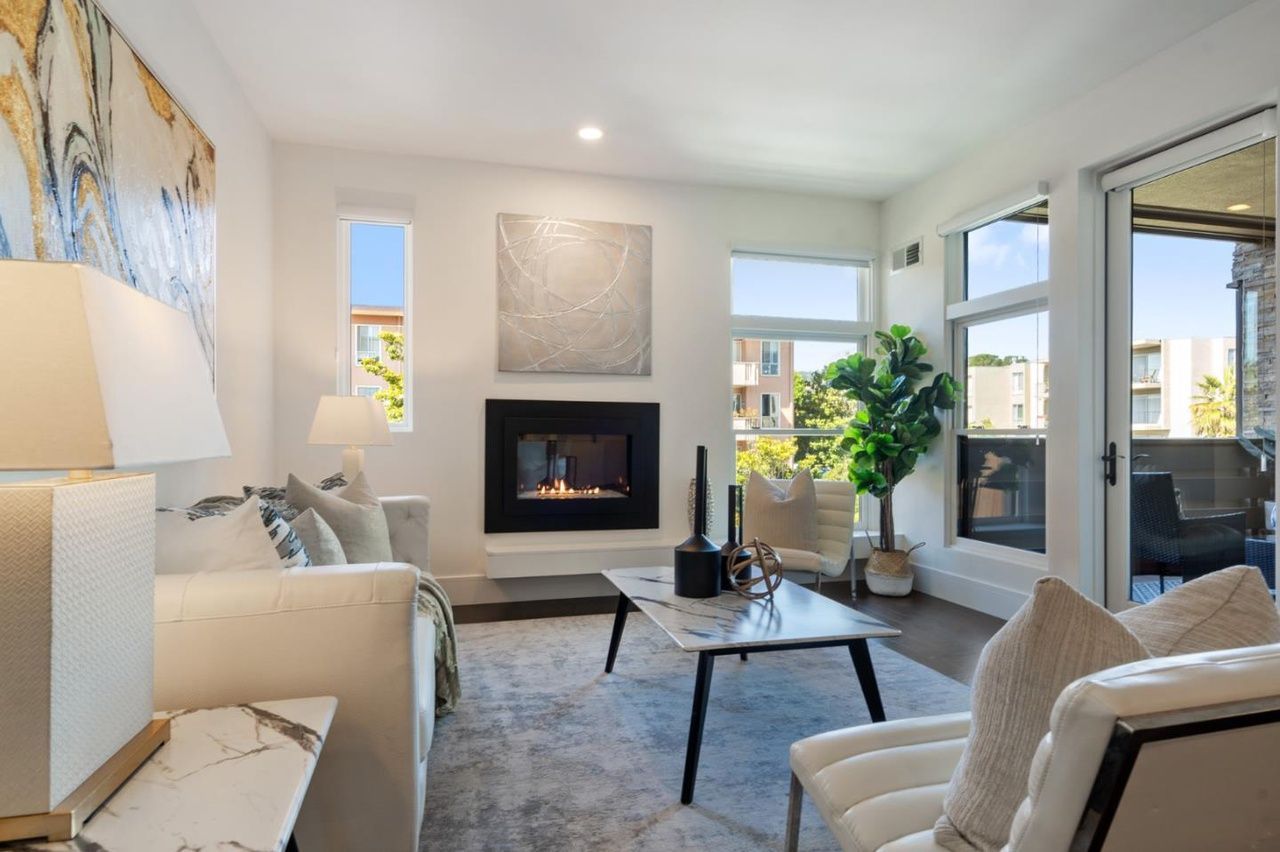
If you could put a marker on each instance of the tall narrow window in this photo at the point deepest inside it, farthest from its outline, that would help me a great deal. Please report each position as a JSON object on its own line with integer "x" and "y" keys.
{"x": 375, "y": 283}
{"x": 792, "y": 316}
{"x": 998, "y": 271}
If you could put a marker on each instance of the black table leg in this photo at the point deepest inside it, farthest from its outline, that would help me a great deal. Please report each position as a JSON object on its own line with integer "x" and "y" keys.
{"x": 867, "y": 678}
{"x": 701, "y": 690}
{"x": 743, "y": 656}
{"x": 292, "y": 845}
{"x": 619, "y": 621}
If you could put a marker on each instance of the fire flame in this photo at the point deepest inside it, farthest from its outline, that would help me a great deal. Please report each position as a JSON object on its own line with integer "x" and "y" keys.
{"x": 560, "y": 487}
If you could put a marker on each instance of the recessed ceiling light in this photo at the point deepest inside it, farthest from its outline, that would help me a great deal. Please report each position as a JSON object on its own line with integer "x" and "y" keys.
{"x": 590, "y": 134}
{"x": 1237, "y": 208}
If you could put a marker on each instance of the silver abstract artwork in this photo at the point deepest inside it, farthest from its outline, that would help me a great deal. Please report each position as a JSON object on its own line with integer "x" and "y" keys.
{"x": 574, "y": 296}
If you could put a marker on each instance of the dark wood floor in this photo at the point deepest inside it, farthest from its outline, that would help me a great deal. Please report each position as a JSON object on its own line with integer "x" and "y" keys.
{"x": 944, "y": 636}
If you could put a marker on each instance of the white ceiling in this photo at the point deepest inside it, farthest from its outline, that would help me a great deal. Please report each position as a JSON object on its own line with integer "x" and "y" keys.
{"x": 856, "y": 97}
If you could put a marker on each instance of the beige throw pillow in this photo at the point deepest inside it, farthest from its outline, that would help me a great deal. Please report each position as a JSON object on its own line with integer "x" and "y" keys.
{"x": 190, "y": 541}
{"x": 354, "y": 513}
{"x": 319, "y": 539}
{"x": 1231, "y": 608}
{"x": 1057, "y": 636}
{"x": 782, "y": 517}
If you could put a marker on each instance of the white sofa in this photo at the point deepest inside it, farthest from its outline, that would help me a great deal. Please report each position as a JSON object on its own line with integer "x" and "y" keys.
{"x": 1173, "y": 753}
{"x": 350, "y": 631}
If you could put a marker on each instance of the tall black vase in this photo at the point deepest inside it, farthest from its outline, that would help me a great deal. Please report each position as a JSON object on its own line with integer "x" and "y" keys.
{"x": 697, "y": 562}
{"x": 735, "y": 533}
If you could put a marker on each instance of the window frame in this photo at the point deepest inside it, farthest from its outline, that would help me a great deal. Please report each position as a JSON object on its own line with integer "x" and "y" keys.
{"x": 346, "y": 343}
{"x": 962, "y": 313}
{"x": 775, "y": 347}
{"x": 814, "y": 330}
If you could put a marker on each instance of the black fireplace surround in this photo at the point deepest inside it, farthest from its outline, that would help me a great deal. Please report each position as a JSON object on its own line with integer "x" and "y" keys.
{"x": 552, "y": 465}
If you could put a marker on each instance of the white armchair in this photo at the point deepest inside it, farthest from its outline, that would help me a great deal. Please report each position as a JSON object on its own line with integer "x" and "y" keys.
{"x": 836, "y": 505}
{"x": 350, "y": 631}
{"x": 1171, "y": 753}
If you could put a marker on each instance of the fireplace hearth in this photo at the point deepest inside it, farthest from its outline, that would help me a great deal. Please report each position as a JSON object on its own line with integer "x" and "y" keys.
{"x": 554, "y": 465}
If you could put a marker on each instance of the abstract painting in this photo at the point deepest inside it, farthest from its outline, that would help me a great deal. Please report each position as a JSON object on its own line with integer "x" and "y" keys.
{"x": 98, "y": 163}
{"x": 574, "y": 296}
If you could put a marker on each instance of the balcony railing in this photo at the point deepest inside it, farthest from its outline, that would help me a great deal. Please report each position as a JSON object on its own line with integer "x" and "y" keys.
{"x": 746, "y": 373}
{"x": 756, "y": 421}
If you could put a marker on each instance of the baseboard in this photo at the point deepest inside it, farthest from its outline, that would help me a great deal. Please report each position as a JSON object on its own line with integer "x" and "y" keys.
{"x": 1000, "y": 601}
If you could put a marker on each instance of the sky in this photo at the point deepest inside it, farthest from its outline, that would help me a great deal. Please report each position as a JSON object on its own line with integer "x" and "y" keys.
{"x": 377, "y": 265}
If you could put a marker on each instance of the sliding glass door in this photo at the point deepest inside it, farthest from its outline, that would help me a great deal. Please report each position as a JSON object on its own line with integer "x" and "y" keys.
{"x": 1191, "y": 362}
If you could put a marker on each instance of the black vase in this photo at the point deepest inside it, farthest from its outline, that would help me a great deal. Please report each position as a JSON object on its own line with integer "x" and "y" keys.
{"x": 735, "y": 533}
{"x": 697, "y": 571}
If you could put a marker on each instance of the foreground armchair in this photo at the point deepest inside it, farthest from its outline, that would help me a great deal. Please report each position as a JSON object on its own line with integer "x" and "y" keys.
{"x": 350, "y": 631}
{"x": 1172, "y": 753}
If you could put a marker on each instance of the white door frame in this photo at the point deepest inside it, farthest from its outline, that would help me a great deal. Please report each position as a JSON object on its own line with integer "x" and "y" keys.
{"x": 1119, "y": 186}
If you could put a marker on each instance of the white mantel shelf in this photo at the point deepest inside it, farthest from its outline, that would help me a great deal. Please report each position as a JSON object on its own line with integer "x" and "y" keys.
{"x": 574, "y": 558}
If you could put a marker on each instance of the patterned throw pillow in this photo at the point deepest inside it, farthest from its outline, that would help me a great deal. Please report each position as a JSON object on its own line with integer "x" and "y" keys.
{"x": 286, "y": 542}
{"x": 274, "y": 495}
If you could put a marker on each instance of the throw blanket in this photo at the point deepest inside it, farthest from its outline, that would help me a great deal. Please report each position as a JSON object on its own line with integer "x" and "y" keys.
{"x": 433, "y": 602}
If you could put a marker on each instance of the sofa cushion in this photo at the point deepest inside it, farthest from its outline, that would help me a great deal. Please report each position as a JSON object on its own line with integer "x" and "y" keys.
{"x": 192, "y": 540}
{"x": 354, "y": 513}
{"x": 782, "y": 518}
{"x": 1057, "y": 636}
{"x": 319, "y": 539}
{"x": 1231, "y": 608}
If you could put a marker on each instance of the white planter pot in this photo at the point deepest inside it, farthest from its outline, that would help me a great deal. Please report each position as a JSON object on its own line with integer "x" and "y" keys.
{"x": 889, "y": 585}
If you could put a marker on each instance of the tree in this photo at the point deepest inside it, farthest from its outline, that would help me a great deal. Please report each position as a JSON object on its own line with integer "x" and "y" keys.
{"x": 986, "y": 359}
{"x": 1213, "y": 412}
{"x": 769, "y": 457}
{"x": 391, "y": 396}
{"x": 817, "y": 405}
{"x": 896, "y": 421}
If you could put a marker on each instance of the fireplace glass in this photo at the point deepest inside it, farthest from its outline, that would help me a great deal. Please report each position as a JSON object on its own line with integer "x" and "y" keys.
{"x": 573, "y": 466}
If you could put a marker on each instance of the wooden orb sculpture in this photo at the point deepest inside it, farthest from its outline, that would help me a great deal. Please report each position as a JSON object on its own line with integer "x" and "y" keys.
{"x": 759, "y": 584}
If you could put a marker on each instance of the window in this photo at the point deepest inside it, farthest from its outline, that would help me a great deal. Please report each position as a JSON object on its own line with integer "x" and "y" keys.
{"x": 997, "y": 273}
{"x": 375, "y": 271}
{"x": 792, "y": 317}
{"x": 1146, "y": 409}
{"x": 1146, "y": 367}
{"x": 770, "y": 357}
{"x": 368, "y": 343}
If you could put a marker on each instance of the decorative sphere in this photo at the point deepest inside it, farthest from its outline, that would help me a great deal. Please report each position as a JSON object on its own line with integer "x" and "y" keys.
{"x": 762, "y": 582}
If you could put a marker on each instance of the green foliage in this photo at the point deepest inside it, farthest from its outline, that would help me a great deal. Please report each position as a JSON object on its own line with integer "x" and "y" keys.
{"x": 817, "y": 405}
{"x": 391, "y": 396}
{"x": 1213, "y": 412}
{"x": 896, "y": 420}
{"x": 986, "y": 359}
{"x": 770, "y": 457}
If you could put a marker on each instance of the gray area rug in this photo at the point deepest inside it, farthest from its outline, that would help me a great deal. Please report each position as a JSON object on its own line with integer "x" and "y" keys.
{"x": 546, "y": 752}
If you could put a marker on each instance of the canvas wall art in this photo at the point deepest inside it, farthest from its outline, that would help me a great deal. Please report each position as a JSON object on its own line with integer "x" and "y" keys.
{"x": 574, "y": 296}
{"x": 98, "y": 163}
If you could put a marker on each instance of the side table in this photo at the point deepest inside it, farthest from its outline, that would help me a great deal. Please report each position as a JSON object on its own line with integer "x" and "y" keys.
{"x": 229, "y": 778}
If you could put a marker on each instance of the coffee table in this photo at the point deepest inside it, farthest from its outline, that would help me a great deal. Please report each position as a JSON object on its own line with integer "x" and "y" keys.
{"x": 795, "y": 619}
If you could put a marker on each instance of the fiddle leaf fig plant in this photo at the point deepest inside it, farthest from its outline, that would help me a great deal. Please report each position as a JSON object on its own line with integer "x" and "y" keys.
{"x": 896, "y": 420}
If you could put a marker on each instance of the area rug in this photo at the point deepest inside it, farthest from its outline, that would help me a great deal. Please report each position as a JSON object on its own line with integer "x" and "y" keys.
{"x": 546, "y": 752}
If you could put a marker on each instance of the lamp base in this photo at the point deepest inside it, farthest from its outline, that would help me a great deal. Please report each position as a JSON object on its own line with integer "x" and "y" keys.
{"x": 65, "y": 821}
{"x": 352, "y": 462}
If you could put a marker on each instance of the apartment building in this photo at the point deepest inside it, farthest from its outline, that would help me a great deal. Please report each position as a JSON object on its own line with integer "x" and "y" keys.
{"x": 763, "y": 384}
{"x": 367, "y": 324}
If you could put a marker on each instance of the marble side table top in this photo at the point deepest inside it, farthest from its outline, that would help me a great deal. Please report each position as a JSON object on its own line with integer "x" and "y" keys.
{"x": 230, "y": 778}
{"x": 795, "y": 615}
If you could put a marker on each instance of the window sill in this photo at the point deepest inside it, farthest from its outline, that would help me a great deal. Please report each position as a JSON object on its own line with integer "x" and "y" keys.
{"x": 1009, "y": 555}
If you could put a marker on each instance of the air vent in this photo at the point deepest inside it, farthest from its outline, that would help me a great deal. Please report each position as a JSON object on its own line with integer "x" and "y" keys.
{"x": 907, "y": 255}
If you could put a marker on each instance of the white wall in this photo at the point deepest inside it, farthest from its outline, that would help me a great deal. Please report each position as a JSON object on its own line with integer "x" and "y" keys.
{"x": 454, "y": 205}
{"x": 171, "y": 40}
{"x": 1226, "y": 70}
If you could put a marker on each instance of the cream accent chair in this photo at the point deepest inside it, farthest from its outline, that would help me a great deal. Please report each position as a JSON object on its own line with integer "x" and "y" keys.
{"x": 1173, "y": 753}
{"x": 836, "y": 502}
{"x": 350, "y": 631}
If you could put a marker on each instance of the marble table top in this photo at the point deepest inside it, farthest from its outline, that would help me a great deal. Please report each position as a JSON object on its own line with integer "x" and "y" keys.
{"x": 229, "y": 778}
{"x": 795, "y": 615}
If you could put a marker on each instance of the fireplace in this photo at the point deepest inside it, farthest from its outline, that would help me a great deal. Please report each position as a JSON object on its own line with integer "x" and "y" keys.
{"x": 570, "y": 465}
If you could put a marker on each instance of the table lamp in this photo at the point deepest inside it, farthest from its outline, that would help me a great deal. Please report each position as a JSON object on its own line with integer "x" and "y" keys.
{"x": 353, "y": 422}
{"x": 94, "y": 375}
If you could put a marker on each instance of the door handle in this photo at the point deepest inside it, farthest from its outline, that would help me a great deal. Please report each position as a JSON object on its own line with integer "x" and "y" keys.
{"x": 1109, "y": 464}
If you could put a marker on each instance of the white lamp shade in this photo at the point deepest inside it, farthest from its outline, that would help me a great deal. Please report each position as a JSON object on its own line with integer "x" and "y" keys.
{"x": 95, "y": 374}
{"x": 353, "y": 421}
